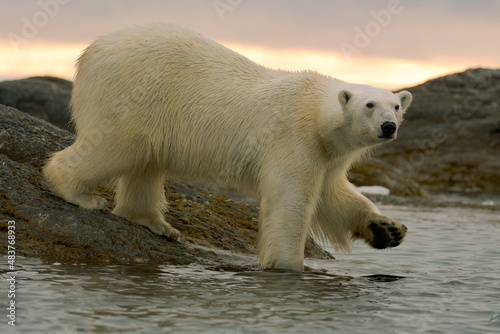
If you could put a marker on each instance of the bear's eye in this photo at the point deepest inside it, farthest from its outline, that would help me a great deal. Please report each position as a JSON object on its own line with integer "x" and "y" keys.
{"x": 396, "y": 107}
{"x": 369, "y": 105}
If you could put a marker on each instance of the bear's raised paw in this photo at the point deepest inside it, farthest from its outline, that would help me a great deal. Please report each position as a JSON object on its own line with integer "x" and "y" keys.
{"x": 387, "y": 233}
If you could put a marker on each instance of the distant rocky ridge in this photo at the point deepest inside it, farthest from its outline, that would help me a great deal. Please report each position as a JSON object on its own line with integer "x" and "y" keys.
{"x": 450, "y": 140}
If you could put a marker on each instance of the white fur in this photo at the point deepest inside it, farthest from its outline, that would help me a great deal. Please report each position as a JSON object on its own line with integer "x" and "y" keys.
{"x": 162, "y": 99}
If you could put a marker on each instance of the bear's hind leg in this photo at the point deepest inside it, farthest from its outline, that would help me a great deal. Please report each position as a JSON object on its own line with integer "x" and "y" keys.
{"x": 140, "y": 199}
{"x": 74, "y": 177}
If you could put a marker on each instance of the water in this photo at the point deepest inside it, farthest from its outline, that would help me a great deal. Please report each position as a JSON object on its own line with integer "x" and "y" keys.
{"x": 445, "y": 278}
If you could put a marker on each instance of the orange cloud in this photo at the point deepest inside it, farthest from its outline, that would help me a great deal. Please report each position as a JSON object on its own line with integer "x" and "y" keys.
{"x": 380, "y": 72}
{"x": 59, "y": 60}
{"x": 39, "y": 59}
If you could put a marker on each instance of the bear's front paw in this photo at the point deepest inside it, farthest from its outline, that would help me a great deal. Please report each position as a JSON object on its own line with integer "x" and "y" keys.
{"x": 386, "y": 233}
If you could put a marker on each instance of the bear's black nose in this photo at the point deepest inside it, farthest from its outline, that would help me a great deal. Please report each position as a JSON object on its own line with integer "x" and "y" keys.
{"x": 388, "y": 129}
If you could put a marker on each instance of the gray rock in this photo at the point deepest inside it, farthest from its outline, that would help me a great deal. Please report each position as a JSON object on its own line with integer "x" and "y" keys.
{"x": 450, "y": 140}
{"x": 214, "y": 228}
{"x": 44, "y": 97}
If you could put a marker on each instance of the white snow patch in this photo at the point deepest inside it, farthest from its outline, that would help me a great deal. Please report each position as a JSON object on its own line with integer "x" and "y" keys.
{"x": 374, "y": 190}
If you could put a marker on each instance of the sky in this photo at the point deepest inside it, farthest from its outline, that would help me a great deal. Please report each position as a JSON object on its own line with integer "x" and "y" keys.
{"x": 391, "y": 44}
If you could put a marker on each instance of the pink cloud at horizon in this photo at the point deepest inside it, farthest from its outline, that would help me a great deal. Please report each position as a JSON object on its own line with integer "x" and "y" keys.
{"x": 386, "y": 43}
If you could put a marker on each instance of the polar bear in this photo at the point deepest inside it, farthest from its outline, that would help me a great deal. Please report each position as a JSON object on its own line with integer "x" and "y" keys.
{"x": 158, "y": 99}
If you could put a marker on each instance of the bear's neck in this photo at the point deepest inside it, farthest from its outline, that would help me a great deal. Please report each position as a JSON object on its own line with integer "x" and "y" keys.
{"x": 340, "y": 147}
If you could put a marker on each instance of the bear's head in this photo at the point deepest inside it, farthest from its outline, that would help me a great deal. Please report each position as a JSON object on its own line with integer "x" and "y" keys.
{"x": 372, "y": 115}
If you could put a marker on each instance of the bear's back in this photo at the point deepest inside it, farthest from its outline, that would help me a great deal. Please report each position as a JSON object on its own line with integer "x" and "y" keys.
{"x": 196, "y": 105}
{"x": 163, "y": 48}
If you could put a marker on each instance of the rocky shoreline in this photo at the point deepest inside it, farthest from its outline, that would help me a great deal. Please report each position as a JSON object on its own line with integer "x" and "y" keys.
{"x": 450, "y": 141}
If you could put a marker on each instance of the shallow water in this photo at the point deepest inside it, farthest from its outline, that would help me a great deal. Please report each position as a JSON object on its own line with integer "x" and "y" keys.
{"x": 445, "y": 278}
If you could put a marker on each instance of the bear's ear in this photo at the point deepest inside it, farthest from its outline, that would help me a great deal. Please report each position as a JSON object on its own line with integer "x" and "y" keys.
{"x": 344, "y": 97}
{"x": 406, "y": 98}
